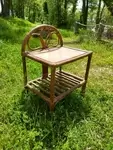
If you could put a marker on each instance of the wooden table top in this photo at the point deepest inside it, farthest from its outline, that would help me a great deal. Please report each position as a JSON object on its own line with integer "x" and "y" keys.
{"x": 57, "y": 56}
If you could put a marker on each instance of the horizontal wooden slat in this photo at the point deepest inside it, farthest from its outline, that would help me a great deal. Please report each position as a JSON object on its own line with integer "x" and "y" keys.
{"x": 66, "y": 93}
{"x": 69, "y": 78}
{"x": 38, "y": 92}
{"x": 60, "y": 83}
{"x": 57, "y": 87}
{"x": 41, "y": 88}
{"x": 64, "y": 84}
{"x": 71, "y": 75}
{"x": 61, "y": 77}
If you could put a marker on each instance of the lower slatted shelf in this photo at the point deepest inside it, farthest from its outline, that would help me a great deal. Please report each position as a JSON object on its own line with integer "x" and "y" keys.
{"x": 64, "y": 84}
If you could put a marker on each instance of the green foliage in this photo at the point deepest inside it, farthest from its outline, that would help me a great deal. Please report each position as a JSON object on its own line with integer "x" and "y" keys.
{"x": 59, "y": 15}
{"x": 66, "y": 33}
{"x": 108, "y": 19}
{"x": 19, "y": 22}
{"x": 53, "y": 12}
{"x": 70, "y": 21}
{"x": 13, "y": 29}
{"x": 77, "y": 123}
{"x": 86, "y": 36}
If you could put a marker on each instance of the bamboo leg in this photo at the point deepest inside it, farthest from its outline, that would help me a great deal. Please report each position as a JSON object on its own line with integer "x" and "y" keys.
{"x": 44, "y": 71}
{"x": 86, "y": 74}
{"x": 24, "y": 70}
{"x": 60, "y": 68}
{"x": 52, "y": 83}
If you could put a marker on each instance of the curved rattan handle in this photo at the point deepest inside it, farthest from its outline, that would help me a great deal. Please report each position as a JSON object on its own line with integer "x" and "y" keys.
{"x": 43, "y": 33}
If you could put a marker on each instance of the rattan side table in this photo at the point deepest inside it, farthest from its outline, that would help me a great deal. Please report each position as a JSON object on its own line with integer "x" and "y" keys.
{"x": 55, "y": 86}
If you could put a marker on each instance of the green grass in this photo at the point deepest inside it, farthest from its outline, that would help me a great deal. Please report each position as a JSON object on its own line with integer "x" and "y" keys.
{"x": 77, "y": 123}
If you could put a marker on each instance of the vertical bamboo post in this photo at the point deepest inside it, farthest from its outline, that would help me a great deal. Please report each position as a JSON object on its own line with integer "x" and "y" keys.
{"x": 52, "y": 89}
{"x": 86, "y": 74}
{"x": 60, "y": 69}
{"x": 44, "y": 71}
{"x": 24, "y": 70}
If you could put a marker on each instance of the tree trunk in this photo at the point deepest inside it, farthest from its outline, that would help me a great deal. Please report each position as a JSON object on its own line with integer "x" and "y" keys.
{"x": 5, "y": 6}
{"x": 102, "y": 11}
{"x": 29, "y": 12}
{"x": 65, "y": 13}
{"x": 58, "y": 9}
{"x": 2, "y": 5}
{"x": 99, "y": 14}
{"x": 74, "y": 6}
{"x": 12, "y": 10}
{"x": 34, "y": 13}
{"x": 65, "y": 4}
{"x": 84, "y": 15}
{"x": 20, "y": 9}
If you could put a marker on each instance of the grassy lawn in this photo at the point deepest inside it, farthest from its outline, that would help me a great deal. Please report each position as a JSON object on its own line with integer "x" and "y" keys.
{"x": 77, "y": 123}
